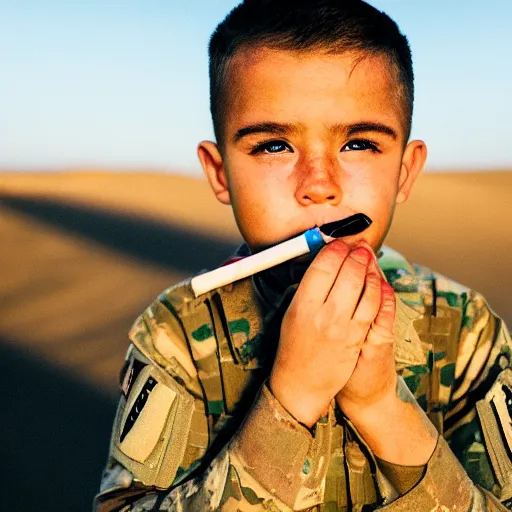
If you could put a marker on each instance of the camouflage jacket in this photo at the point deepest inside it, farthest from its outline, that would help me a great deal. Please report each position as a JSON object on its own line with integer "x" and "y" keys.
{"x": 197, "y": 429}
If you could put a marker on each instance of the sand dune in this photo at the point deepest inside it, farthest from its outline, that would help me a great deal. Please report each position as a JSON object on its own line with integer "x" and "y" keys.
{"x": 174, "y": 198}
{"x": 91, "y": 248}
{"x": 82, "y": 254}
{"x": 457, "y": 223}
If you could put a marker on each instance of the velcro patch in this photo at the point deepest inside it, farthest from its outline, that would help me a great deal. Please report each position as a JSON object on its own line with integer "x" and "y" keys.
{"x": 145, "y": 418}
{"x": 500, "y": 399}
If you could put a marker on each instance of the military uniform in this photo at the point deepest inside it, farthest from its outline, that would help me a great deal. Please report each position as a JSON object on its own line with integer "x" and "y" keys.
{"x": 198, "y": 429}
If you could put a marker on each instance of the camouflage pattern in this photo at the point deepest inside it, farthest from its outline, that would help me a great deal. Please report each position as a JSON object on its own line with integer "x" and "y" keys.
{"x": 226, "y": 443}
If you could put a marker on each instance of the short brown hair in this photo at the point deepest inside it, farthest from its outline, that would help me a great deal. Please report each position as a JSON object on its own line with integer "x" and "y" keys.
{"x": 332, "y": 26}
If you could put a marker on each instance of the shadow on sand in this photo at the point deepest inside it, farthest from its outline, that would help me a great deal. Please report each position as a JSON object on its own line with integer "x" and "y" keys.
{"x": 142, "y": 238}
{"x": 54, "y": 433}
{"x": 54, "y": 429}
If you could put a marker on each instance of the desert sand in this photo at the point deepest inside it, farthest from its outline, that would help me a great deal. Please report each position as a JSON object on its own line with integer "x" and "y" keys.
{"x": 81, "y": 255}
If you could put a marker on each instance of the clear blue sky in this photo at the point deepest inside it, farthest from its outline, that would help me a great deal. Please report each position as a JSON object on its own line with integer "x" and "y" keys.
{"x": 124, "y": 83}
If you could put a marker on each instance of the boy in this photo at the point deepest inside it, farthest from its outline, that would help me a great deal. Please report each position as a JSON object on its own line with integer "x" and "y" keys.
{"x": 290, "y": 390}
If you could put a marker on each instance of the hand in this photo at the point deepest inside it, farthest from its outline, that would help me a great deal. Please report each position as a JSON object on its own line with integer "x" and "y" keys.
{"x": 324, "y": 329}
{"x": 374, "y": 378}
{"x": 380, "y": 406}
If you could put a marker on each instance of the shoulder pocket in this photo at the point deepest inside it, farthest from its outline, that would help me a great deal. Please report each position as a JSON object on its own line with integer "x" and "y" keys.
{"x": 152, "y": 423}
{"x": 495, "y": 414}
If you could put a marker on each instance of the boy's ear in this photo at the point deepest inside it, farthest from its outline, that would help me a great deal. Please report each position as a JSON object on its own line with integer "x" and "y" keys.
{"x": 413, "y": 161}
{"x": 213, "y": 167}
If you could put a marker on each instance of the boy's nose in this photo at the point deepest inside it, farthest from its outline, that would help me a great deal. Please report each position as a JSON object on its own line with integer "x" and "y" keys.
{"x": 319, "y": 183}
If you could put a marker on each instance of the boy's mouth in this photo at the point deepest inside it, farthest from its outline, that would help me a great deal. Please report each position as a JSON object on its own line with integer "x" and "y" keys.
{"x": 291, "y": 272}
{"x": 349, "y": 226}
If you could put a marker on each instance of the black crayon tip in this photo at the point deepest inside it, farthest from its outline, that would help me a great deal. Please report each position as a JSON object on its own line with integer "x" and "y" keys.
{"x": 350, "y": 226}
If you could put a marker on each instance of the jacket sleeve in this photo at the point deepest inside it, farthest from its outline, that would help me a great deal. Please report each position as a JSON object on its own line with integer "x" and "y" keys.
{"x": 160, "y": 452}
{"x": 445, "y": 486}
{"x": 471, "y": 467}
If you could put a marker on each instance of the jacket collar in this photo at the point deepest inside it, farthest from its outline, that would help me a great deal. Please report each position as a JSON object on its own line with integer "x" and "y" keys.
{"x": 402, "y": 276}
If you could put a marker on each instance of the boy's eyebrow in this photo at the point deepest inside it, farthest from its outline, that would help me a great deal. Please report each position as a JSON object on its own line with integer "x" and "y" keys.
{"x": 283, "y": 128}
{"x": 273, "y": 128}
{"x": 357, "y": 128}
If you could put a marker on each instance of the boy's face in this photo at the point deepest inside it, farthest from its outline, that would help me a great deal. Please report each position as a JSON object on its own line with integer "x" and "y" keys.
{"x": 311, "y": 138}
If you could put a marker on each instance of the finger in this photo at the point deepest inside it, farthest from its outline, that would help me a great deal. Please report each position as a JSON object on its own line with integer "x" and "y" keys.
{"x": 369, "y": 304}
{"x": 367, "y": 309}
{"x": 321, "y": 274}
{"x": 364, "y": 243}
{"x": 381, "y": 330}
{"x": 347, "y": 289}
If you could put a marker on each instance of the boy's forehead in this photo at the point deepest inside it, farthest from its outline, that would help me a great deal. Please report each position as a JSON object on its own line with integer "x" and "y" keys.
{"x": 262, "y": 66}
{"x": 264, "y": 81}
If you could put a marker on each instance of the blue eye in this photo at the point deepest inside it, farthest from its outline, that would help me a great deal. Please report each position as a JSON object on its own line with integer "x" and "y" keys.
{"x": 271, "y": 147}
{"x": 360, "y": 145}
